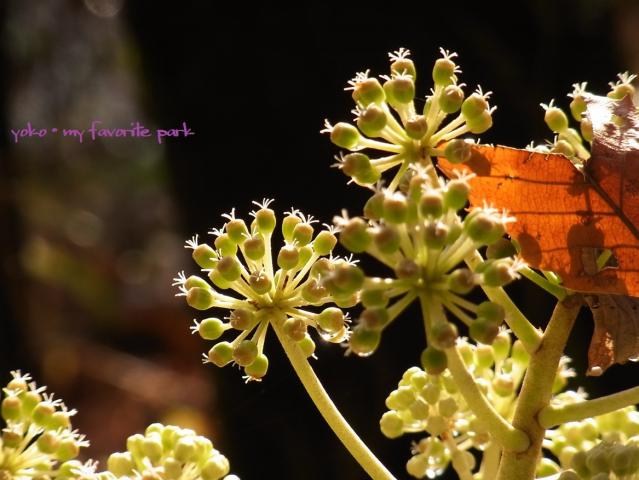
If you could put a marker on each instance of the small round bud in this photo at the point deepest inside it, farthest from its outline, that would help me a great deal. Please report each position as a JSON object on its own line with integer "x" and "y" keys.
{"x": 305, "y": 254}
{"x": 345, "y": 280}
{"x": 11, "y": 408}
{"x": 364, "y": 342}
{"x": 204, "y": 256}
{"x": 431, "y": 393}
{"x": 218, "y": 280}
{"x": 185, "y": 450}
{"x": 568, "y": 475}
{"x": 419, "y": 409}
{"x": 288, "y": 257}
{"x": 501, "y": 346}
{"x": 585, "y": 127}
{"x": 229, "y": 268}
{"x": 458, "y": 151}
{"x": 152, "y": 448}
{"x": 399, "y": 90}
{"x": 374, "y": 207}
{"x": 324, "y": 242}
{"x": 265, "y": 221}
{"x": 621, "y": 90}
{"x": 433, "y": 360}
{"x": 307, "y": 345}
{"x": 483, "y": 227}
{"x": 313, "y": 292}
{"x": 245, "y": 353}
{"x": 68, "y": 449}
{"x": 451, "y": 99}
{"x": 372, "y": 120}
{"x": 200, "y": 298}
{"x": 225, "y": 245}
{"x": 443, "y": 335}
{"x": 221, "y": 354}
{"x": 355, "y": 236}
{"x": 436, "y": 425}
{"x": 254, "y": 247}
{"x": 303, "y": 234}
{"x": 447, "y": 407}
{"x": 407, "y": 269}
{"x": 431, "y": 204}
{"x": 416, "y": 127}
{"x": 401, "y": 399}
{"x": 331, "y": 319}
{"x": 375, "y": 318}
{"x": 391, "y": 424}
{"x": 563, "y": 147}
{"x": 48, "y": 442}
{"x": 387, "y": 239}
{"x": 456, "y": 194}
{"x": 258, "y": 368}
{"x": 491, "y": 312}
{"x": 403, "y": 66}
{"x": 483, "y": 331}
{"x": 444, "y": 71}
{"x": 371, "y": 297}
{"x": 260, "y": 282}
{"x": 519, "y": 354}
{"x": 368, "y": 91}
{"x": 358, "y": 166}
{"x": 474, "y": 106}
{"x": 120, "y": 464}
{"x": 345, "y": 135}
{"x": 462, "y": 281}
{"x": 295, "y": 328}
{"x": 436, "y": 235}
{"x": 211, "y": 328}
{"x": 598, "y": 460}
{"x": 546, "y": 468}
{"x": 11, "y": 439}
{"x": 242, "y": 319}
{"x": 503, "y": 385}
{"x": 418, "y": 465}
{"x": 42, "y": 413}
{"x": 498, "y": 273}
{"x": 195, "y": 281}
{"x": 501, "y": 248}
{"x": 288, "y": 224}
{"x": 321, "y": 268}
{"x": 577, "y": 107}
{"x": 237, "y": 231}
{"x": 395, "y": 208}
{"x": 556, "y": 119}
{"x": 480, "y": 123}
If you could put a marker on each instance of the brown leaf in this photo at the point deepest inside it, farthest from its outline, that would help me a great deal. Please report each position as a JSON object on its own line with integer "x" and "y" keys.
{"x": 562, "y": 212}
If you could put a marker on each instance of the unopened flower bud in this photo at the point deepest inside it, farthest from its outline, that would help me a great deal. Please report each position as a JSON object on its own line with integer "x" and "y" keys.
{"x": 391, "y": 424}
{"x": 345, "y": 135}
{"x": 399, "y": 90}
{"x": 307, "y": 345}
{"x": 245, "y": 353}
{"x": 229, "y": 268}
{"x": 211, "y": 328}
{"x": 395, "y": 208}
{"x": 265, "y": 221}
{"x": 458, "y": 151}
{"x": 443, "y": 335}
{"x": 374, "y": 318}
{"x": 225, "y": 245}
{"x": 491, "y": 312}
{"x": 451, "y": 99}
{"x": 254, "y": 248}
{"x": 295, "y": 328}
{"x": 221, "y": 354}
{"x": 364, "y": 342}
{"x": 387, "y": 239}
{"x": 501, "y": 248}
{"x": 288, "y": 257}
{"x": 372, "y": 120}
{"x": 260, "y": 282}
{"x": 374, "y": 207}
{"x": 204, "y": 256}
{"x": 462, "y": 281}
{"x": 324, "y": 242}
{"x": 556, "y": 119}
{"x": 355, "y": 236}
{"x": 444, "y": 71}
{"x": 483, "y": 331}
{"x": 368, "y": 91}
{"x": 416, "y": 127}
{"x": 433, "y": 360}
{"x": 407, "y": 269}
{"x": 258, "y": 368}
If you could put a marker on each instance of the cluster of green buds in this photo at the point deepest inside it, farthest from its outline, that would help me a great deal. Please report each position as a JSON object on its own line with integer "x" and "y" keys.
{"x": 388, "y": 119}
{"x": 606, "y": 445}
{"x": 168, "y": 453}
{"x": 417, "y": 232}
{"x": 262, "y": 286}
{"x": 37, "y": 440}
{"x": 568, "y": 141}
{"x": 430, "y": 403}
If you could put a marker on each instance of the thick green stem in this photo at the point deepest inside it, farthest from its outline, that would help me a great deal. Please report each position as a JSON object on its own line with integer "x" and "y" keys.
{"x": 551, "y": 416}
{"x": 327, "y": 408}
{"x": 536, "y": 391}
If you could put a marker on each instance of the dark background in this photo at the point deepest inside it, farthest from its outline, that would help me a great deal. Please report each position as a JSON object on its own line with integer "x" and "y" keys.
{"x": 92, "y": 233}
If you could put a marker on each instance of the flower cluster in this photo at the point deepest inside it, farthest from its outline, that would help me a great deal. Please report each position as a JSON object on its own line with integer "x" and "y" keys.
{"x": 265, "y": 288}
{"x": 432, "y": 403}
{"x": 38, "y": 439}
{"x": 168, "y": 453}
{"x": 604, "y": 444}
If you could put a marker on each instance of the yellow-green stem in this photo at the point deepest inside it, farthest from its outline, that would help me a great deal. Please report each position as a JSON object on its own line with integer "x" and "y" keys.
{"x": 327, "y": 408}
{"x": 551, "y": 416}
{"x": 536, "y": 391}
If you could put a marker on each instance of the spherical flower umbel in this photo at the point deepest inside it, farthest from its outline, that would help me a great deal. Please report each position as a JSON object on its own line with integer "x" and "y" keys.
{"x": 37, "y": 441}
{"x": 262, "y": 285}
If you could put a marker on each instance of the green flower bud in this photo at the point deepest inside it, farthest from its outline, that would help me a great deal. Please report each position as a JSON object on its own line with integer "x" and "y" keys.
{"x": 443, "y": 335}
{"x": 585, "y": 127}
{"x": 484, "y": 357}
{"x": 358, "y": 166}
{"x": 395, "y": 208}
{"x": 211, "y": 328}
{"x": 556, "y": 119}
{"x": 215, "y": 468}
{"x": 484, "y": 228}
{"x": 288, "y": 257}
{"x": 456, "y": 194}
{"x": 225, "y": 245}
{"x": 185, "y": 450}
{"x": 374, "y": 207}
{"x": 403, "y": 66}
{"x": 254, "y": 248}
{"x": 68, "y": 449}
{"x": 204, "y": 256}
{"x": 563, "y": 147}
{"x": 368, "y": 91}
{"x": 331, "y": 319}
{"x": 387, "y": 239}
{"x": 48, "y": 442}
{"x": 307, "y": 345}
{"x": 372, "y": 297}
{"x": 480, "y": 123}
{"x": 200, "y": 298}
{"x": 303, "y": 234}
{"x": 467, "y": 353}
{"x": 237, "y": 231}
{"x": 321, "y": 268}
{"x": 295, "y": 328}
{"x": 265, "y": 221}
{"x": 598, "y": 460}
{"x": 120, "y": 464}
{"x": 503, "y": 385}
{"x": 172, "y": 469}
{"x": 501, "y": 248}
{"x": 519, "y": 354}
{"x": 416, "y": 127}
{"x": 42, "y": 413}
{"x": 245, "y": 353}
{"x": 407, "y": 269}
{"x": 242, "y": 319}
{"x": 546, "y": 468}
{"x": 11, "y": 439}
{"x": 462, "y": 281}
{"x": 364, "y": 342}
{"x": 419, "y": 378}
{"x": 345, "y": 135}
{"x": 458, "y": 151}
{"x": 195, "y": 281}
{"x": 431, "y": 393}
{"x": 260, "y": 282}
{"x": 29, "y": 401}
{"x": 501, "y": 346}
{"x": 451, "y": 99}
{"x": 221, "y": 354}
{"x": 436, "y": 425}
{"x": 313, "y": 292}
{"x": 399, "y": 90}
{"x": 491, "y": 312}
{"x": 433, "y": 360}
{"x": 288, "y": 224}
{"x": 498, "y": 273}
{"x": 152, "y": 448}
{"x": 483, "y": 331}
{"x": 218, "y": 280}
{"x": 355, "y": 236}
{"x": 444, "y": 71}
{"x": 419, "y": 409}
{"x": 391, "y": 424}
{"x": 431, "y": 204}
{"x": 324, "y": 242}
{"x": 621, "y": 90}
{"x": 11, "y": 408}
{"x": 418, "y": 465}
{"x": 346, "y": 279}
{"x": 229, "y": 268}
{"x": 474, "y": 106}
{"x": 258, "y": 368}
{"x": 372, "y": 120}
{"x": 447, "y": 407}
{"x": 436, "y": 235}
{"x": 375, "y": 318}
{"x": 67, "y": 469}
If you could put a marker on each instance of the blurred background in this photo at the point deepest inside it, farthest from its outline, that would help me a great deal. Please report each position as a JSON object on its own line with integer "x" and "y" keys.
{"x": 91, "y": 234}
